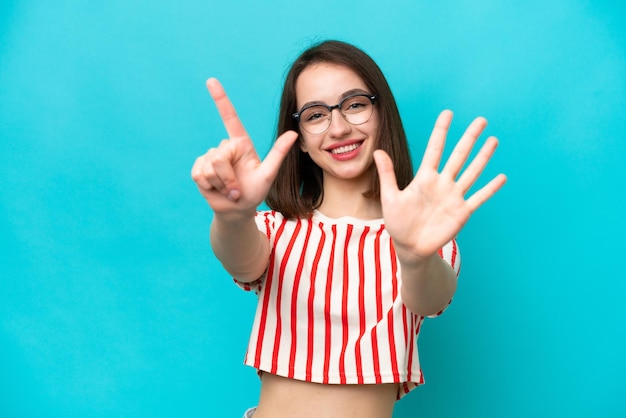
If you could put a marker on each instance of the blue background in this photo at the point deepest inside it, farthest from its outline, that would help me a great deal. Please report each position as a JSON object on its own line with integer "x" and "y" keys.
{"x": 111, "y": 303}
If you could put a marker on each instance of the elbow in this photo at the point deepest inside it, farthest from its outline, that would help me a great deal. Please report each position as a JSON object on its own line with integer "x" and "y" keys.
{"x": 429, "y": 303}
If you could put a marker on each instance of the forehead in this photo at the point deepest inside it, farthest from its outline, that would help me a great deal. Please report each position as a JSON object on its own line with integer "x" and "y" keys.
{"x": 326, "y": 83}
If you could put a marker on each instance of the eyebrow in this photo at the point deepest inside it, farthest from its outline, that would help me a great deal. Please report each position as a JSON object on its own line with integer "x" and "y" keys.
{"x": 343, "y": 96}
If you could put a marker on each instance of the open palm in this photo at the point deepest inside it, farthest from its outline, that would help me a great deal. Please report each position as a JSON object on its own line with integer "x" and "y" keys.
{"x": 433, "y": 208}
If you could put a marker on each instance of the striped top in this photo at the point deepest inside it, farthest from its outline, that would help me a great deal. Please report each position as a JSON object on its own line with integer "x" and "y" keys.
{"x": 329, "y": 306}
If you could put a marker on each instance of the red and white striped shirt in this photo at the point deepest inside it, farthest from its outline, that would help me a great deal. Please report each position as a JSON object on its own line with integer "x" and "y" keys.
{"x": 329, "y": 305}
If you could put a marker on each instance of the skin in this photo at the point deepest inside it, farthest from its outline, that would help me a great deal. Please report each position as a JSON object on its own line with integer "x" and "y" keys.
{"x": 420, "y": 219}
{"x": 329, "y": 84}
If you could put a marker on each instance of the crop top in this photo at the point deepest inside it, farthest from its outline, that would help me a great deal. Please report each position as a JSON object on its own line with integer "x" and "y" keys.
{"x": 329, "y": 305}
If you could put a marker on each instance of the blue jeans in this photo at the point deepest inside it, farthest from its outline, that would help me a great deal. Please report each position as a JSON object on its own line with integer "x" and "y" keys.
{"x": 249, "y": 412}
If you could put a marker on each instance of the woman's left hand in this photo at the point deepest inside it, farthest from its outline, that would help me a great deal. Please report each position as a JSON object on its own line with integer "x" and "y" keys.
{"x": 432, "y": 209}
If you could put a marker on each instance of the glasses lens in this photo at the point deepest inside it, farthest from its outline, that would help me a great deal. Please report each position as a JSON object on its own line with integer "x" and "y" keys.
{"x": 357, "y": 109}
{"x": 315, "y": 119}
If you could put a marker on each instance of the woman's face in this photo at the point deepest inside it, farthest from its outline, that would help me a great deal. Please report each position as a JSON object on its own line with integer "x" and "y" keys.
{"x": 344, "y": 151}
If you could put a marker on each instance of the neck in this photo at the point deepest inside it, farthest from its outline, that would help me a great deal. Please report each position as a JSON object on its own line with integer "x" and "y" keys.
{"x": 346, "y": 199}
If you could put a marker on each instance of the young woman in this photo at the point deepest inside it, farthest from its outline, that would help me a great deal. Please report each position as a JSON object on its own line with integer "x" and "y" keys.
{"x": 355, "y": 250}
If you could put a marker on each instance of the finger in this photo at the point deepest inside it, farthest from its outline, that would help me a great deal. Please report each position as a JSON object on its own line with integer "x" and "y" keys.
{"x": 213, "y": 172}
{"x": 478, "y": 164}
{"x": 463, "y": 148}
{"x": 227, "y": 112}
{"x": 224, "y": 179}
{"x": 197, "y": 174}
{"x": 386, "y": 174}
{"x": 437, "y": 141}
{"x": 273, "y": 160}
{"x": 485, "y": 193}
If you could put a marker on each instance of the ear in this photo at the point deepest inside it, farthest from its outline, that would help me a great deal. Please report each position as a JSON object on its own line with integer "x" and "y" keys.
{"x": 302, "y": 146}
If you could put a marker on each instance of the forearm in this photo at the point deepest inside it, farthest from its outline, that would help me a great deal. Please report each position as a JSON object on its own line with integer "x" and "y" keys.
{"x": 427, "y": 284}
{"x": 241, "y": 248}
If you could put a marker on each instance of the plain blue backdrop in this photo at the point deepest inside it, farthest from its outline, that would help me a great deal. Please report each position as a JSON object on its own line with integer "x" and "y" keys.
{"x": 111, "y": 303}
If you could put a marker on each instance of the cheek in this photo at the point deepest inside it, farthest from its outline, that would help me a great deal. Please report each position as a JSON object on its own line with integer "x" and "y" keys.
{"x": 307, "y": 143}
{"x": 373, "y": 133}
{"x": 374, "y": 126}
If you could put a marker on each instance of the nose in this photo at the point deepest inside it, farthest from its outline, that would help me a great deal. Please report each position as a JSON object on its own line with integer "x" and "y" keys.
{"x": 338, "y": 125}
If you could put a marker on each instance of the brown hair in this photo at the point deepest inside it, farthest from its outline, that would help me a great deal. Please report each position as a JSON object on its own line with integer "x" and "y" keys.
{"x": 297, "y": 189}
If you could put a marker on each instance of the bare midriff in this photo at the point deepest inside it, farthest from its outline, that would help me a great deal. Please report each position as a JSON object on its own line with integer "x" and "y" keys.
{"x": 287, "y": 398}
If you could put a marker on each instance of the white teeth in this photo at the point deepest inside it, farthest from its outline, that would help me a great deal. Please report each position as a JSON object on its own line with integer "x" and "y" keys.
{"x": 347, "y": 148}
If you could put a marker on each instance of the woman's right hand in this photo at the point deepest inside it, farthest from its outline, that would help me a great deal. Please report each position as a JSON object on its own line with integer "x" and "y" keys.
{"x": 232, "y": 177}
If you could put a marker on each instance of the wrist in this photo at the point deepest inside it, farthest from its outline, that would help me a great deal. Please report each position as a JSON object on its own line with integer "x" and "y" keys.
{"x": 233, "y": 217}
{"x": 409, "y": 256}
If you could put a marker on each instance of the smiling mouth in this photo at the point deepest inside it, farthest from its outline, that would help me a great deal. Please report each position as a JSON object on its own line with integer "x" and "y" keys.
{"x": 345, "y": 149}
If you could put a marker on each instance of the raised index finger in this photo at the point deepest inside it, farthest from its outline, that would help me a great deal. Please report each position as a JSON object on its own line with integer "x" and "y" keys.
{"x": 231, "y": 121}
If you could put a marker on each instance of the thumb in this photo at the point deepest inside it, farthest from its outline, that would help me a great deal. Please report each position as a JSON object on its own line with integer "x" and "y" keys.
{"x": 386, "y": 174}
{"x": 277, "y": 154}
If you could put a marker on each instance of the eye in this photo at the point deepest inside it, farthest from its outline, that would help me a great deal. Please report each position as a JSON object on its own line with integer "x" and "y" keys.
{"x": 314, "y": 113}
{"x": 314, "y": 116}
{"x": 355, "y": 104}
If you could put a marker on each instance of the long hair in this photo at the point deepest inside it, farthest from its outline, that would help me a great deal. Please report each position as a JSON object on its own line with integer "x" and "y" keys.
{"x": 298, "y": 187}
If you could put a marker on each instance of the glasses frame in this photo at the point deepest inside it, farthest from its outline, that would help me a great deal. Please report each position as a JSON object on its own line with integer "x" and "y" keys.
{"x": 372, "y": 98}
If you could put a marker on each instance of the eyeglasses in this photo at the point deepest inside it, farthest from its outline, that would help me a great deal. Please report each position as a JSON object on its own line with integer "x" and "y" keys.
{"x": 356, "y": 109}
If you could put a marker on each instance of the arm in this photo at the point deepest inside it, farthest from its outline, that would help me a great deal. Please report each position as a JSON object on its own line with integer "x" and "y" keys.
{"x": 431, "y": 211}
{"x": 234, "y": 181}
{"x": 427, "y": 285}
{"x": 242, "y": 249}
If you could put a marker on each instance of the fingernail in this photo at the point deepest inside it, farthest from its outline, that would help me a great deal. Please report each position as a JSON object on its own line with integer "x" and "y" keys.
{"x": 233, "y": 195}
